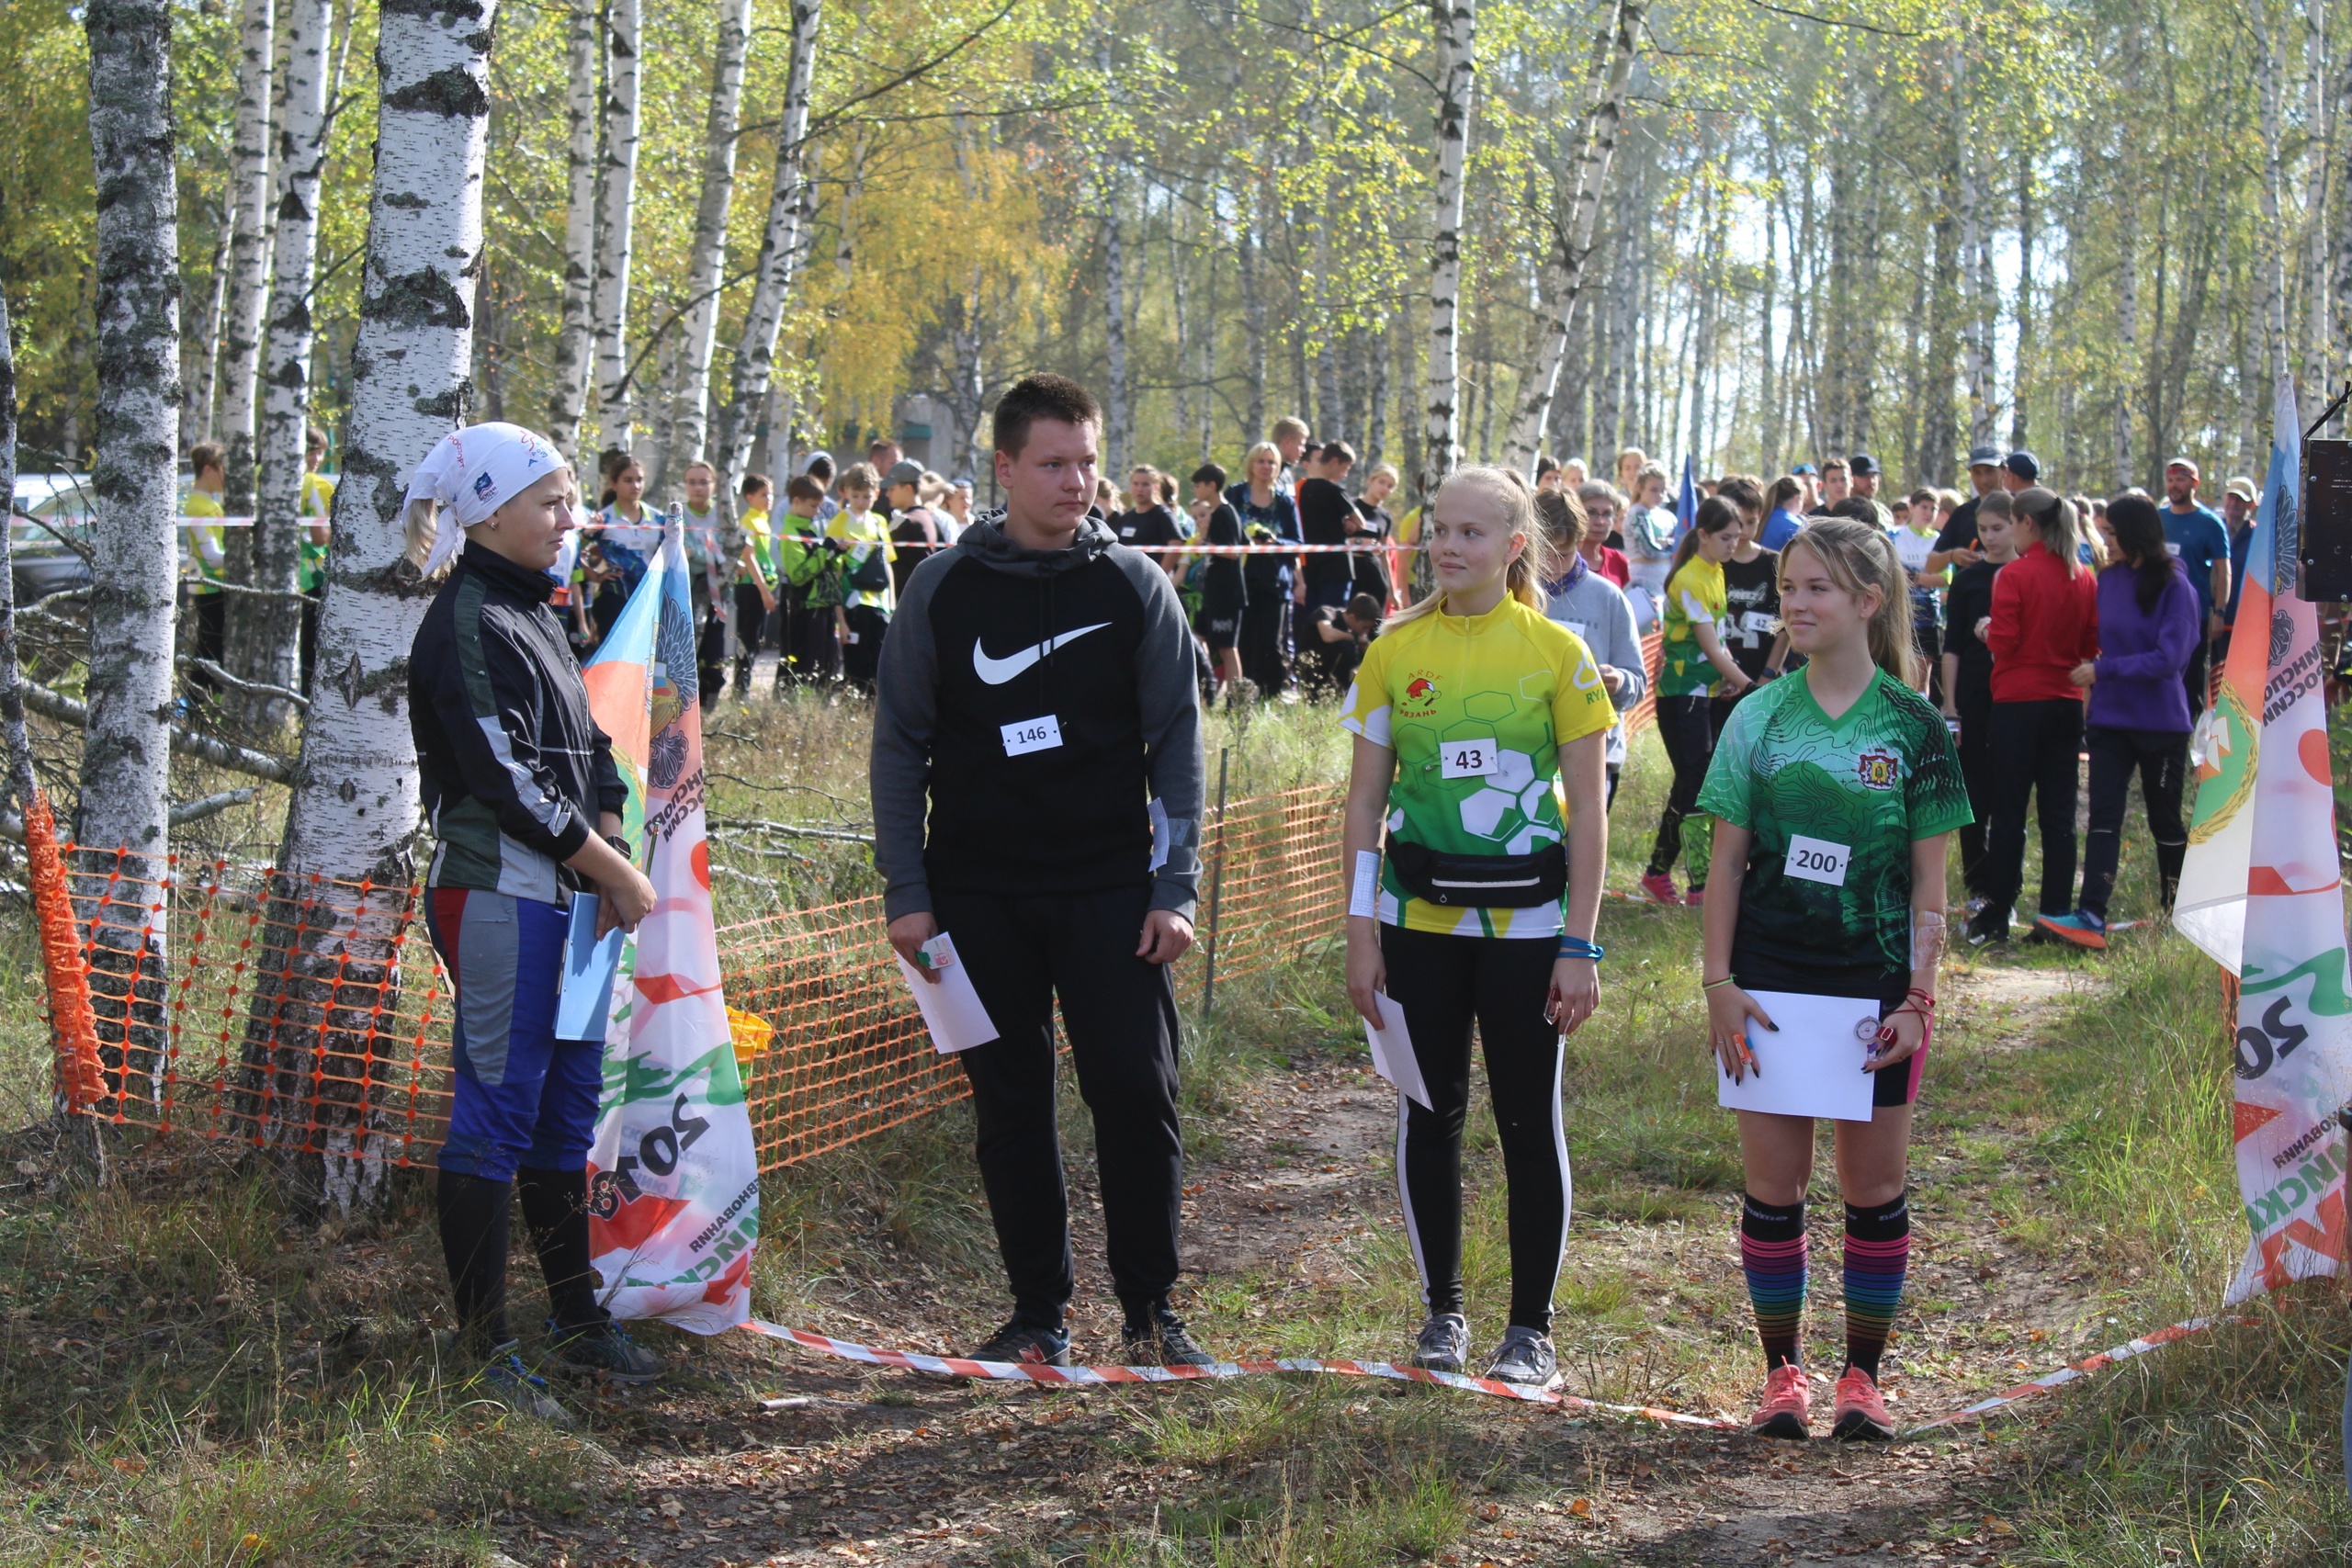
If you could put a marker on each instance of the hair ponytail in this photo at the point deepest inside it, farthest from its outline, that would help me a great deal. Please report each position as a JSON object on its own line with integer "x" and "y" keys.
{"x": 1524, "y": 578}
{"x": 2056, "y": 524}
{"x": 1714, "y": 516}
{"x": 1859, "y": 557}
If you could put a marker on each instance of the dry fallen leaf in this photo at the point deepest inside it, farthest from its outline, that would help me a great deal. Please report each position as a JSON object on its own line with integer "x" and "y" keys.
{"x": 1581, "y": 1508}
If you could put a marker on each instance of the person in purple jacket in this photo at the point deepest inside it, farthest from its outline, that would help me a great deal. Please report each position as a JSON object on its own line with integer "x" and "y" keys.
{"x": 2149, "y": 624}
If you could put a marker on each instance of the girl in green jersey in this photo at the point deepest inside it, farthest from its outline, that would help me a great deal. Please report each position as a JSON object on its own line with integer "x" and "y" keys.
{"x": 1833, "y": 790}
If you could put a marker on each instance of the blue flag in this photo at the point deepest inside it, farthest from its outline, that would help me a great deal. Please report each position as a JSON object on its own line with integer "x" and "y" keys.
{"x": 1686, "y": 506}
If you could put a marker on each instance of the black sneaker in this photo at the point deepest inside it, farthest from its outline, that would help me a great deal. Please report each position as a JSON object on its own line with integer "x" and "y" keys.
{"x": 1162, "y": 1340}
{"x": 1989, "y": 925}
{"x": 603, "y": 1351}
{"x": 1024, "y": 1344}
{"x": 1525, "y": 1359}
{"x": 1445, "y": 1343}
{"x": 504, "y": 1379}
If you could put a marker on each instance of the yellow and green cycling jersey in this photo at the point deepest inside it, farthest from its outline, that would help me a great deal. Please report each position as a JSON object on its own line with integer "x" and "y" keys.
{"x": 203, "y": 547}
{"x": 317, "y": 505}
{"x": 865, "y": 532}
{"x": 1695, "y": 596}
{"x": 1475, "y": 709}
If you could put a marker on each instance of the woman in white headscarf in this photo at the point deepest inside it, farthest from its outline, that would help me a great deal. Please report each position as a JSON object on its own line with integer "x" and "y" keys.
{"x": 526, "y": 805}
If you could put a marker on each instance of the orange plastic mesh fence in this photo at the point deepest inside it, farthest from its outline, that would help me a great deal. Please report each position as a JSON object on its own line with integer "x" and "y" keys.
{"x": 313, "y": 1016}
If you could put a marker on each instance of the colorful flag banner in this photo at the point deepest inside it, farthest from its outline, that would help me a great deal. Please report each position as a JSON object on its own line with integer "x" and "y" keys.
{"x": 673, "y": 1178}
{"x": 2264, "y": 780}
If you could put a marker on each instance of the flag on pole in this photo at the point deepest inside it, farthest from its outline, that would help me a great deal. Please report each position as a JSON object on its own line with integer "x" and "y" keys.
{"x": 2264, "y": 796}
{"x": 674, "y": 1176}
{"x": 1686, "y": 500}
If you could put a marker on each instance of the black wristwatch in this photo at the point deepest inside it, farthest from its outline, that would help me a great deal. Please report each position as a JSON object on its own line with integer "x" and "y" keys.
{"x": 622, "y": 847}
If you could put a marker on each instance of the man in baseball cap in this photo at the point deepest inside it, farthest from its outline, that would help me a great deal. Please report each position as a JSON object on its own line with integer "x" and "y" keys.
{"x": 2239, "y": 501}
{"x": 2195, "y": 533}
{"x": 2021, "y": 471}
{"x": 1956, "y": 546}
{"x": 1866, "y": 472}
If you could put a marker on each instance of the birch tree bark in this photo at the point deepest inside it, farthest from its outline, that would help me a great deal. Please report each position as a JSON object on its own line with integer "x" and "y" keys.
{"x": 271, "y": 639}
{"x": 2342, "y": 358}
{"x": 18, "y": 751}
{"x": 706, "y": 263}
{"x": 2027, "y": 230}
{"x": 780, "y": 250}
{"x": 2270, "y": 240}
{"x": 2319, "y": 138}
{"x": 1456, "y": 24}
{"x": 1118, "y": 434}
{"x": 340, "y": 899}
{"x": 1976, "y": 327}
{"x": 126, "y": 744}
{"x": 575, "y": 341}
{"x": 240, "y": 348}
{"x": 1570, "y": 244}
{"x": 1250, "y": 216}
{"x": 615, "y": 220}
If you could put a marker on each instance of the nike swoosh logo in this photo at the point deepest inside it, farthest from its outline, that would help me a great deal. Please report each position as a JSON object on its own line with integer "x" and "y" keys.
{"x": 996, "y": 672}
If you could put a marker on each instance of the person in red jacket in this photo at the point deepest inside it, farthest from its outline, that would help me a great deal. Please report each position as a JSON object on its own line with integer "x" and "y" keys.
{"x": 2044, "y": 626}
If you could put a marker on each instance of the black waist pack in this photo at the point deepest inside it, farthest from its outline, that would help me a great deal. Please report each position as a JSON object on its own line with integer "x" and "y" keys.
{"x": 1509, "y": 882}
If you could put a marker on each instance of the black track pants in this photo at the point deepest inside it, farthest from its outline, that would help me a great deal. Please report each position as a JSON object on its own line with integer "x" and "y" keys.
{"x": 2161, "y": 758}
{"x": 1976, "y": 771}
{"x": 1024, "y": 951}
{"x": 1445, "y": 982}
{"x": 1690, "y": 740}
{"x": 2037, "y": 756}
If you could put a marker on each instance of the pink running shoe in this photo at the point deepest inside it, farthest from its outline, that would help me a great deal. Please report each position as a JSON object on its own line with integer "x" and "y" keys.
{"x": 1658, "y": 887}
{"x": 1696, "y": 897}
{"x": 1787, "y": 1410}
{"x": 1861, "y": 1414}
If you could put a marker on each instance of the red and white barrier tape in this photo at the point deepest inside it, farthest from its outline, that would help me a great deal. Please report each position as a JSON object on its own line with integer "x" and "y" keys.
{"x": 1018, "y": 1371}
{"x": 2083, "y": 1369}
{"x": 1015, "y": 1372}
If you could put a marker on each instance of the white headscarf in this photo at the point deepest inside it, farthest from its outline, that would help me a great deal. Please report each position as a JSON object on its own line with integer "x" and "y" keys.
{"x": 473, "y": 473}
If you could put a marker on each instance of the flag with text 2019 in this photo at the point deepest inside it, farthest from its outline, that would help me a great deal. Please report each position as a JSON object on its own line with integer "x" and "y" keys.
{"x": 2293, "y": 1045}
{"x": 674, "y": 1177}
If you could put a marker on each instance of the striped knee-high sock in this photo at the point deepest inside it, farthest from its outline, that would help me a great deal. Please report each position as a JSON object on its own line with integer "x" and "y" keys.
{"x": 1878, "y": 1248}
{"x": 1773, "y": 1252}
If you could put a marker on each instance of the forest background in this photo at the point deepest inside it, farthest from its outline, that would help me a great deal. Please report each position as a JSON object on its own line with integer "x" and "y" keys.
{"x": 2094, "y": 228}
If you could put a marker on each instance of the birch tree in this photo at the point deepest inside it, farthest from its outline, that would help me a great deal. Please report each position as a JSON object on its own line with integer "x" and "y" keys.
{"x": 780, "y": 246}
{"x": 240, "y": 348}
{"x": 706, "y": 264}
{"x": 1456, "y": 24}
{"x": 125, "y": 742}
{"x": 1570, "y": 246}
{"x": 575, "y": 338}
{"x": 615, "y": 220}
{"x": 2270, "y": 239}
{"x": 353, "y": 819}
{"x": 1118, "y": 422}
{"x": 1975, "y": 324}
{"x": 17, "y": 744}
{"x": 271, "y": 642}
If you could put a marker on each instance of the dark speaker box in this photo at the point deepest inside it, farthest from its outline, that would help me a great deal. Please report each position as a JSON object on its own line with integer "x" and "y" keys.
{"x": 2326, "y": 553}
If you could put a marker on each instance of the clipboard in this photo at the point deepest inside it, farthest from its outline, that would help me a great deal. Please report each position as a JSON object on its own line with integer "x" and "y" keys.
{"x": 1813, "y": 1064}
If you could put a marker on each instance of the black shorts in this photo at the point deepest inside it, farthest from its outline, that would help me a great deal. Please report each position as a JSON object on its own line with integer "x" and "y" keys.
{"x": 1219, "y": 627}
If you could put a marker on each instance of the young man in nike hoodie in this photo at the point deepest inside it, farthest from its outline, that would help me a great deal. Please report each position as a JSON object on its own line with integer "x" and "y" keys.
{"x": 1036, "y": 701}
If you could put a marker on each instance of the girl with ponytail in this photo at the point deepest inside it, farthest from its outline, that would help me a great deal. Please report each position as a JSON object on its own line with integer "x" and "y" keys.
{"x": 1833, "y": 790}
{"x": 1693, "y": 666}
{"x": 1473, "y": 716}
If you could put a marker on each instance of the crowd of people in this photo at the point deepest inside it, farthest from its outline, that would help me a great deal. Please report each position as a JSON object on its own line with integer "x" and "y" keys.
{"x": 1841, "y": 683}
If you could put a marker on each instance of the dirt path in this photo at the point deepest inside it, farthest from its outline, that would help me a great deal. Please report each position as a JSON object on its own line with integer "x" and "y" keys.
{"x": 885, "y": 1467}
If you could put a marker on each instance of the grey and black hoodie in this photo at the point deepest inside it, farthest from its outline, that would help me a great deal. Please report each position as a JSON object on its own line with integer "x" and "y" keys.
{"x": 991, "y": 641}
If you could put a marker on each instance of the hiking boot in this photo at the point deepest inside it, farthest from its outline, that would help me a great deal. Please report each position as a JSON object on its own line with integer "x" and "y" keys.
{"x": 603, "y": 1351}
{"x": 1658, "y": 887}
{"x": 1787, "y": 1410}
{"x": 1525, "y": 1359}
{"x": 1445, "y": 1343}
{"x": 504, "y": 1379}
{"x": 1162, "y": 1340}
{"x": 1861, "y": 1413}
{"x": 2081, "y": 929}
{"x": 1024, "y": 1344}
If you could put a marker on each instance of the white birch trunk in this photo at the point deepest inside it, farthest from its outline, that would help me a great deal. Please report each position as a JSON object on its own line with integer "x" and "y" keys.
{"x": 1456, "y": 24}
{"x": 575, "y": 339}
{"x": 615, "y": 220}
{"x": 1976, "y": 326}
{"x": 354, "y": 814}
{"x": 126, "y": 744}
{"x": 1564, "y": 276}
{"x": 780, "y": 253}
{"x": 14, "y": 742}
{"x": 271, "y": 639}
{"x": 2320, "y": 136}
{"x": 706, "y": 263}
{"x": 2336, "y": 367}
{"x": 2270, "y": 240}
{"x": 1118, "y": 432}
{"x": 240, "y": 348}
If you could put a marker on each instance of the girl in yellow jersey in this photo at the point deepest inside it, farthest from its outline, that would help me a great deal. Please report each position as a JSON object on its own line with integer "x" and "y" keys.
{"x": 1473, "y": 715}
{"x": 1692, "y": 666}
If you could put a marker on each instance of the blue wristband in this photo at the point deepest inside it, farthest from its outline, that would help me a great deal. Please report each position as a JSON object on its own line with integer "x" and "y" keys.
{"x": 1577, "y": 947}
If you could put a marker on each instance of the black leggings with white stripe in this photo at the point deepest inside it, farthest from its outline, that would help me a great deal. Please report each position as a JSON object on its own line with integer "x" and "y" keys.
{"x": 1444, "y": 983}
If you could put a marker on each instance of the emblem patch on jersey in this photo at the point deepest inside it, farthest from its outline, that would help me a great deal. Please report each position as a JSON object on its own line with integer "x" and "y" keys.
{"x": 1880, "y": 770}
{"x": 1420, "y": 696}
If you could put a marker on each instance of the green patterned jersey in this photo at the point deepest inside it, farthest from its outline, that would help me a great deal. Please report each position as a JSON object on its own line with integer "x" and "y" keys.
{"x": 1476, "y": 708}
{"x": 1835, "y": 806}
{"x": 1695, "y": 596}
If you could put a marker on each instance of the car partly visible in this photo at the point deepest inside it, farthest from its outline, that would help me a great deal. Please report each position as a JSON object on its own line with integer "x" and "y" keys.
{"x": 48, "y": 506}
